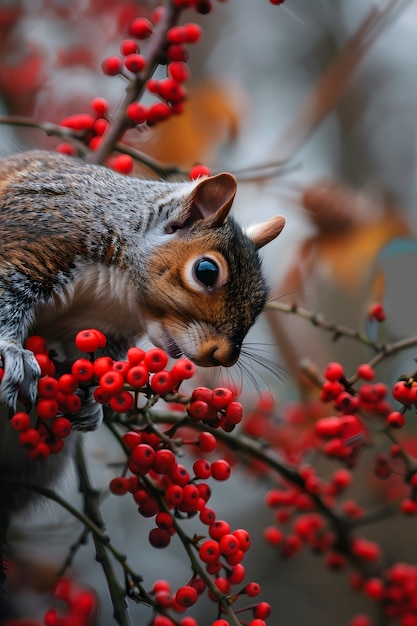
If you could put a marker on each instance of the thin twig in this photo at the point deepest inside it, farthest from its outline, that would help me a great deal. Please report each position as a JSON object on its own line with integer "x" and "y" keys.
{"x": 92, "y": 510}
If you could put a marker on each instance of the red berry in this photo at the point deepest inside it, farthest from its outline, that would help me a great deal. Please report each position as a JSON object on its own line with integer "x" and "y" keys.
{"x": 155, "y": 359}
{"x": 87, "y": 340}
{"x": 164, "y": 520}
{"x": 137, "y": 113}
{"x": 192, "y": 33}
{"x": 220, "y": 470}
{"x": 83, "y": 370}
{"x": 376, "y": 312}
{"x": 179, "y": 71}
{"x": 135, "y": 63}
{"x": 132, "y": 439}
{"x": 252, "y": 589}
{"x": 80, "y": 121}
{"x": 173, "y": 495}
{"x": 119, "y": 485}
{"x": 223, "y": 585}
{"x": 48, "y": 387}
{"x": 67, "y": 383}
{"x": 365, "y": 550}
{"x": 66, "y": 148}
{"x": 149, "y": 508}
{"x": 158, "y": 112}
{"x": 102, "y": 365}
{"x": 163, "y": 382}
{"x": 202, "y": 393}
{"x": 183, "y": 369}
{"x": 47, "y": 408}
{"x": 61, "y": 427}
{"x": 207, "y": 442}
{"x": 207, "y": 516}
{"x": 334, "y": 371}
{"x": 186, "y": 596}
{"x": 112, "y": 382}
{"x": 72, "y": 403}
{"x": 128, "y": 46}
{"x": 111, "y": 66}
{"x": 143, "y": 455}
{"x": 218, "y": 529}
{"x": 273, "y": 535}
{"x": 243, "y": 537}
{"x": 122, "y": 402}
{"x": 29, "y": 438}
{"x": 123, "y": 163}
{"x": 237, "y": 575}
{"x": 221, "y": 397}
{"x": 209, "y": 551}
{"x": 234, "y": 413}
{"x": 135, "y": 355}
{"x": 396, "y": 419}
{"x": 198, "y": 410}
{"x": 202, "y": 469}
{"x": 164, "y": 461}
{"x": 36, "y": 344}
{"x": 40, "y": 452}
{"x": 229, "y": 544}
{"x": 20, "y": 421}
{"x": 122, "y": 367}
{"x": 100, "y": 107}
{"x": 198, "y": 171}
{"x": 46, "y": 365}
{"x": 401, "y": 392}
{"x": 179, "y": 475}
{"x": 137, "y": 376}
{"x": 159, "y": 538}
{"x": 366, "y": 372}
{"x": 141, "y": 28}
{"x": 262, "y": 610}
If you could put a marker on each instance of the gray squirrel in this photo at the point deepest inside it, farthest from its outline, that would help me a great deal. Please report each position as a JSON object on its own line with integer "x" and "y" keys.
{"x": 83, "y": 246}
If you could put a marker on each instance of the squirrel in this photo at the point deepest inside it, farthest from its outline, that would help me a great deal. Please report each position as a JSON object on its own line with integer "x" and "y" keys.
{"x": 83, "y": 246}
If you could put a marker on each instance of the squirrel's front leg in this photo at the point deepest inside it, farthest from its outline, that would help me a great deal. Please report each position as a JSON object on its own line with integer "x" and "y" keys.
{"x": 21, "y": 374}
{"x": 21, "y": 370}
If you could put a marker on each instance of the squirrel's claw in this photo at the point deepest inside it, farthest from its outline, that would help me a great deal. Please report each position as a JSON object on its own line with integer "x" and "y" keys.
{"x": 21, "y": 375}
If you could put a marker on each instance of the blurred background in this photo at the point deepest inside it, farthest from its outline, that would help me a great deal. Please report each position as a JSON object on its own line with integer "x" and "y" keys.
{"x": 313, "y": 106}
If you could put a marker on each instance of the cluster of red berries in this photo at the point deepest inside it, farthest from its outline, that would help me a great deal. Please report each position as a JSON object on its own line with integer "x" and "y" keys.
{"x": 170, "y": 90}
{"x": 187, "y": 595}
{"x": 295, "y": 507}
{"x": 395, "y": 590}
{"x": 165, "y": 490}
{"x": 116, "y": 384}
{"x": 81, "y": 607}
{"x": 56, "y": 402}
{"x": 346, "y": 434}
{"x": 215, "y": 408}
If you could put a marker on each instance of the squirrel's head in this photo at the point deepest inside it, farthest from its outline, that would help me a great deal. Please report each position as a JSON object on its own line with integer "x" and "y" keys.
{"x": 207, "y": 286}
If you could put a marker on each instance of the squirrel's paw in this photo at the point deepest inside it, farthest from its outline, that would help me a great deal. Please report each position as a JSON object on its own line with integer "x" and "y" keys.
{"x": 21, "y": 375}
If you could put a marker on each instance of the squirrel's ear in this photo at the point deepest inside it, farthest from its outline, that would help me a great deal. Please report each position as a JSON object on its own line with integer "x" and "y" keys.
{"x": 263, "y": 233}
{"x": 211, "y": 199}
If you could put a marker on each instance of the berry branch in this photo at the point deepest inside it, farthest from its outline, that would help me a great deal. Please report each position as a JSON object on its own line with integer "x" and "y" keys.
{"x": 136, "y": 85}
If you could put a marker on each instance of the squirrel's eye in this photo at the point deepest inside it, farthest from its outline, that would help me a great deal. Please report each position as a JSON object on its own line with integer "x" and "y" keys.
{"x": 206, "y": 272}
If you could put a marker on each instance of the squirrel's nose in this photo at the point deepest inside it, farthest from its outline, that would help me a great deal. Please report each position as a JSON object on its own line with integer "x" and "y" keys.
{"x": 218, "y": 353}
{"x": 225, "y": 356}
